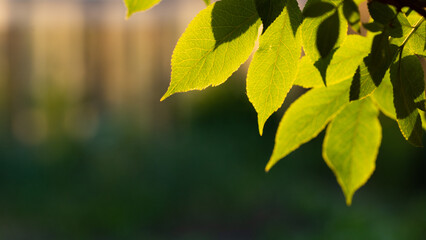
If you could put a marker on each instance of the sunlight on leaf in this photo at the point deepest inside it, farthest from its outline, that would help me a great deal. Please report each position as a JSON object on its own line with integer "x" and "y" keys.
{"x": 350, "y": 55}
{"x": 218, "y": 40}
{"x": 307, "y": 117}
{"x": 139, "y": 5}
{"x": 275, "y": 64}
{"x": 351, "y": 145}
{"x": 308, "y": 75}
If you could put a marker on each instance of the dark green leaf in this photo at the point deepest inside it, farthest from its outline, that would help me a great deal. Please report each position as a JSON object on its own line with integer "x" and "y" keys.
{"x": 409, "y": 90}
{"x": 327, "y": 34}
{"x": 351, "y": 13}
{"x": 317, "y": 9}
{"x": 373, "y": 26}
{"x": 381, "y": 12}
{"x": 269, "y": 10}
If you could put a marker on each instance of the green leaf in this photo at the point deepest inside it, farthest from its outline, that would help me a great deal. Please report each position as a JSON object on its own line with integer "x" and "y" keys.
{"x": 207, "y": 2}
{"x": 347, "y": 58}
{"x": 317, "y": 9}
{"x": 352, "y": 15}
{"x": 383, "y": 96}
{"x": 307, "y": 117}
{"x": 269, "y": 10}
{"x": 381, "y": 12}
{"x": 423, "y": 117}
{"x": 327, "y": 34}
{"x": 308, "y": 75}
{"x": 351, "y": 145}
{"x": 373, "y": 26}
{"x": 373, "y": 68}
{"x": 139, "y": 5}
{"x": 399, "y": 29}
{"x": 409, "y": 89}
{"x": 218, "y": 40}
{"x": 309, "y": 34}
{"x": 417, "y": 42}
{"x": 275, "y": 64}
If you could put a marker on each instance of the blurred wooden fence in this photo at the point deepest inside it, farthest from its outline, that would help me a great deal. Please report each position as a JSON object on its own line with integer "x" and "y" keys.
{"x": 77, "y": 59}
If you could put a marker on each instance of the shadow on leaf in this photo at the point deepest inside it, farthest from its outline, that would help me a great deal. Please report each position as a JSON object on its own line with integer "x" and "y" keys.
{"x": 230, "y": 19}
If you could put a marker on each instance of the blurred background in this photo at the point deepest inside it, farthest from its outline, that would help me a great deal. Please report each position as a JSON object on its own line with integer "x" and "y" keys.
{"x": 87, "y": 150}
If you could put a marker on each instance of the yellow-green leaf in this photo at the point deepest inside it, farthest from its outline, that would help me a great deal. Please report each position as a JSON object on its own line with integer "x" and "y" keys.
{"x": 307, "y": 117}
{"x": 139, "y": 5}
{"x": 417, "y": 42}
{"x": 274, "y": 66}
{"x": 383, "y": 96}
{"x": 423, "y": 117}
{"x": 348, "y": 57}
{"x": 351, "y": 145}
{"x": 373, "y": 68}
{"x": 218, "y": 40}
{"x": 308, "y": 75}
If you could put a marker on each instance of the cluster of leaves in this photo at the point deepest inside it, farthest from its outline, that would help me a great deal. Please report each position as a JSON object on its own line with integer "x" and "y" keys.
{"x": 351, "y": 77}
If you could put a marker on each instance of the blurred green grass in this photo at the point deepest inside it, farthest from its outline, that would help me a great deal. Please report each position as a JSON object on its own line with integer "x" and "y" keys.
{"x": 202, "y": 179}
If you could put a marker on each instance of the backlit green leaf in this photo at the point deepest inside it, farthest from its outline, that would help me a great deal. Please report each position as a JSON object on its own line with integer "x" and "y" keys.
{"x": 275, "y": 64}
{"x": 218, "y": 40}
{"x": 308, "y": 75}
{"x": 347, "y": 58}
{"x": 139, "y": 5}
{"x": 207, "y": 2}
{"x": 309, "y": 34}
{"x": 351, "y": 145}
{"x": 409, "y": 89}
{"x": 417, "y": 42}
{"x": 423, "y": 117}
{"x": 373, "y": 68}
{"x": 399, "y": 29}
{"x": 383, "y": 96}
{"x": 307, "y": 117}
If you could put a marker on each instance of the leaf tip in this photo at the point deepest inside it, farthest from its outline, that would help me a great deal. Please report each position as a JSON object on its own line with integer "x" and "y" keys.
{"x": 166, "y": 95}
{"x": 349, "y": 200}
{"x": 261, "y": 124}
{"x": 270, "y": 164}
